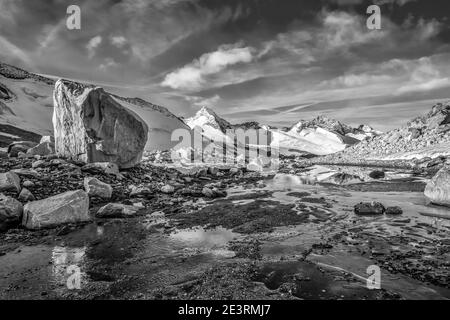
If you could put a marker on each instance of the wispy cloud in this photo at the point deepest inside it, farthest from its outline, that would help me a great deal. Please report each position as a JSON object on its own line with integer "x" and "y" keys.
{"x": 194, "y": 75}
{"x": 92, "y": 45}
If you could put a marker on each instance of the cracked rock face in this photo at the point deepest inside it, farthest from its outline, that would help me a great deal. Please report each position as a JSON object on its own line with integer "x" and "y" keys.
{"x": 92, "y": 126}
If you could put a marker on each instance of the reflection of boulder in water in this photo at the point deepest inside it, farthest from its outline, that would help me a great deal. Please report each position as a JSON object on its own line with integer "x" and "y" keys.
{"x": 64, "y": 257}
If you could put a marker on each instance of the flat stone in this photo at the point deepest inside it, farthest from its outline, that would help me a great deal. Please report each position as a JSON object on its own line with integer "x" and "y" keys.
{"x": 68, "y": 207}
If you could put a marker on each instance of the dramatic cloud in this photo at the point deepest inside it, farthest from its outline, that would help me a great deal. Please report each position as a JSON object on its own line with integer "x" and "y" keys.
{"x": 240, "y": 56}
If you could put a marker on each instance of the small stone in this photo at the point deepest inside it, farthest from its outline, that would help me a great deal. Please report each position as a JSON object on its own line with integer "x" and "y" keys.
{"x": 394, "y": 210}
{"x": 157, "y": 214}
{"x": 26, "y": 196}
{"x": 96, "y": 188}
{"x": 38, "y": 164}
{"x": 234, "y": 170}
{"x": 377, "y": 174}
{"x": 28, "y": 184}
{"x": 10, "y": 212}
{"x": 139, "y": 191}
{"x": 9, "y": 181}
{"x": 168, "y": 189}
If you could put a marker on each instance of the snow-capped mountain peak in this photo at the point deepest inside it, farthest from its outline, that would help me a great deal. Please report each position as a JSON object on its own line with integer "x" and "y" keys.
{"x": 207, "y": 117}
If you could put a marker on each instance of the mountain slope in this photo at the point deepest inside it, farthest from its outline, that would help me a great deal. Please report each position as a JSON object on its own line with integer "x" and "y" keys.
{"x": 26, "y": 109}
{"x": 425, "y": 136}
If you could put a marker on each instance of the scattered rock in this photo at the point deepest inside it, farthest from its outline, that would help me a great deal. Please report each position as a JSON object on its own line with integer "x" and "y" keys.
{"x": 96, "y": 188}
{"x": 117, "y": 210}
{"x": 10, "y": 212}
{"x": 68, "y": 207}
{"x": 438, "y": 189}
{"x": 369, "y": 208}
{"x": 26, "y": 196}
{"x": 92, "y": 126}
{"x": 9, "y": 181}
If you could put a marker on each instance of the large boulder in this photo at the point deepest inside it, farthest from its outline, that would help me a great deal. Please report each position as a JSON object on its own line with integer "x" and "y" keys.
{"x": 68, "y": 207}
{"x": 10, "y": 212}
{"x": 438, "y": 189}
{"x": 9, "y": 181}
{"x": 90, "y": 125}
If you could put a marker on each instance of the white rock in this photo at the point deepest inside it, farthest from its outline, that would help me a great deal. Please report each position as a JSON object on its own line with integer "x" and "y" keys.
{"x": 91, "y": 126}
{"x": 96, "y": 188}
{"x": 68, "y": 207}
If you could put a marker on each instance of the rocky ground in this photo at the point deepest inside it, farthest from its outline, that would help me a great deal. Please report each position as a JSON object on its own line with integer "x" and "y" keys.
{"x": 161, "y": 232}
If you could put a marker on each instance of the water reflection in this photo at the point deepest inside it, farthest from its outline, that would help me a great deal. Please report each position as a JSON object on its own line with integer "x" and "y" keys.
{"x": 212, "y": 240}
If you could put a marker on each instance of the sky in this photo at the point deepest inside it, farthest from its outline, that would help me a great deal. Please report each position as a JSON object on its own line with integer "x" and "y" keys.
{"x": 272, "y": 61}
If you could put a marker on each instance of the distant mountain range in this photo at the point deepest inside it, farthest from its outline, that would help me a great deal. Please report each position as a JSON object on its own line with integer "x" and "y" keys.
{"x": 319, "y": 136}
{"x": 26, "y": 108}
